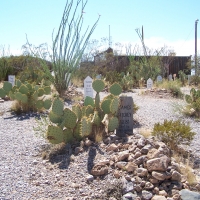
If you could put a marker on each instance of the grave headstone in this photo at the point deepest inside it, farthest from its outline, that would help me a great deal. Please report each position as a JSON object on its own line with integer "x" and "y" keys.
{"x": 170, "y": 78}
{"x": 159, "y": 78}
{"x": 149, "y": 83}
{"x": 88, "y": 90}
{"x": 67, "y": 77}
{"x": 52, "y": 73}
{"x": 192, "y": 72}
{"x": 98, "y": 76}
{"x": 125, "y": 116}
{"x": 11, "y": 79}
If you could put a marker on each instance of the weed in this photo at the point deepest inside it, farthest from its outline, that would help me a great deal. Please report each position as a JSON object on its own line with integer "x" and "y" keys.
{"x": 173, "y": 133}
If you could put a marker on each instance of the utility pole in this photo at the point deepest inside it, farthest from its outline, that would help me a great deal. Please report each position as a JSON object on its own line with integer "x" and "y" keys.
{"x": 196, "y": 66}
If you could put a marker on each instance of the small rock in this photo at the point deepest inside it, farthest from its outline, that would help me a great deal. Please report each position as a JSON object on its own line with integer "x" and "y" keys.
{"x": 78, "y": 150}
{"x": 158, "y": 197}
{"x": 176, "y": 176}
{"x": 123, "y": 155}
{"x": 99, "y": 170}
{"x": 163, "y": 193}
{"x": 121, "y": 165}
{"x": 129, "y": 196}
{"x": 117, "y": 174}
{"x": 148, "y": 186}
{"x": 88, "y": 142}
{"x": 141, "y": 172}
{"x": 35, "y": 162}
{"x": 158, "y": 164}
{"x": 90, "y": 178}
{"x": 160, "y": 175}
{"x": 146, "y": 195}
{"x": 131, "y": 167}
{"x": 112, "y": 147}
{"x": 187, "y": 194}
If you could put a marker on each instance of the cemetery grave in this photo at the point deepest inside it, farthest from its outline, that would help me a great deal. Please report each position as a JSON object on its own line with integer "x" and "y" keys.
{"x": 124, "y": 158}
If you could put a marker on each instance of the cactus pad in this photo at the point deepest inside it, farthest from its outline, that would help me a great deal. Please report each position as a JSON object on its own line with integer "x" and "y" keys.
{"x": 54, "y": 118}
{"x": 88, "y": 101}
{"x": 77, "y": 110}
{"x": 55, "y": 134}
{"x": 115, "y": 89}
{"x": 113, "y": 123}
{"x": 24, "y": 98}
{"x": 114, "y": 105}
{"x": 70, "y": 118}
{"x": 86, "y": 127}
{"x": 18, "y": 96}
{"x": 47, "y": 104}
{"x": 11, "y": 95}
{"x": 23, "y": 89}
{"x": 105, "y": 106}
{"x": 40, "y": 92}
{"x": 2, "y": 93}
{"x": 89, "y": 110}
{"x": 96, "y": 119}
{"x": 57, "y": 107}
{"x": 97, "y": 100}
{"x": 39, "y": 104}
{"x": 188, "y": 98}
{"x": 68, "y": 136}
{"x": 77, "y": 131}
{"x": 7, "y": 86}
{"x": 98, "y": 85}
{"x": 18, "y": 83}
{"x": 47, "y": 90}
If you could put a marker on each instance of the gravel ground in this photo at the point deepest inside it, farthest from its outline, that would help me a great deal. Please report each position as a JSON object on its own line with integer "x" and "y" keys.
{"x": 25, "y": 175}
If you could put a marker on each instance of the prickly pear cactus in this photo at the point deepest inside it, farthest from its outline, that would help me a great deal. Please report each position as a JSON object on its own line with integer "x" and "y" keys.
{"x": 29, "y": 96}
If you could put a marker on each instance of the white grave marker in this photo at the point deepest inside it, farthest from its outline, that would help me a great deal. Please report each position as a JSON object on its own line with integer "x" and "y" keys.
{"x": 149, "y": 84}
{"x": 11, "y": 79}
{"x": 67, "y": 78}
{"x": 98, "y": 76}
{"x": 159, "y": 78}
{"x": 88, "y": 90}
{"x": 192, "y": 72}
{"x": 170, "y": 78}
{"x": 52, "y": 73}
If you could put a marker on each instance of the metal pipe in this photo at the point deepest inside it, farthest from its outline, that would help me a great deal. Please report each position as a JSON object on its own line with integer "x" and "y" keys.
{"x": 196, "y": 67}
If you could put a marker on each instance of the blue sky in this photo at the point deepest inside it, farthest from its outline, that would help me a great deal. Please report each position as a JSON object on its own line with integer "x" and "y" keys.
{"x": 166, "y": 22}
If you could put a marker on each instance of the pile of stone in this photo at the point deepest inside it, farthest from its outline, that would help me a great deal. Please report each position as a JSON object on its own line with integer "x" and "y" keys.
{"x": 145, "y": 167}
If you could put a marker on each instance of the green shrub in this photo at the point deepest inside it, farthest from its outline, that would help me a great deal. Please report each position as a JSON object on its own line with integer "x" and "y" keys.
{"x": 173, "y": 133}
{"x": 182, "y": 77}
{"x": 193, "y": 101}
{"x": 173, "y": 86}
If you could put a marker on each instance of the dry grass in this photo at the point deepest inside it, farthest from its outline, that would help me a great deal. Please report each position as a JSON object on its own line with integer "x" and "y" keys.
{"x": 77, "y": 82}
{"x": 145, "y": 132}
{"x": 186, "y": 167}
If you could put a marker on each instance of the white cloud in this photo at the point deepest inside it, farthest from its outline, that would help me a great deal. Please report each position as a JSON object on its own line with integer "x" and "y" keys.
{"x": 180, "y": 47}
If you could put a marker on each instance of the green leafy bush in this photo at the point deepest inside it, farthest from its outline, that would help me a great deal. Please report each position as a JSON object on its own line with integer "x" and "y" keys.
{"x": 193, "y": 100}
{"x": 173, "y": 133}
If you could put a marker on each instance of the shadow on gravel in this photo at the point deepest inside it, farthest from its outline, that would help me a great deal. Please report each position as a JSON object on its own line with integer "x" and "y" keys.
{"x": 136, "y": 124}
{"x": 61, "y": 154}
{"x": 23, "y": 116}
